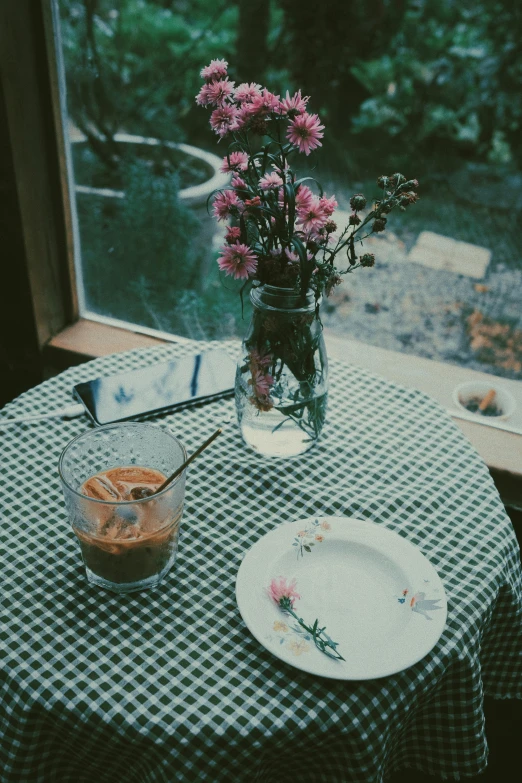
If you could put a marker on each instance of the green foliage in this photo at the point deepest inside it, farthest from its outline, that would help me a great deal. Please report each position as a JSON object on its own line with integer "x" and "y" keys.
{"x": 134, "y": 65}
{"x": 421, "y": 71}
{"x": 149, "y": 232}
{"x": 451, "y": 74}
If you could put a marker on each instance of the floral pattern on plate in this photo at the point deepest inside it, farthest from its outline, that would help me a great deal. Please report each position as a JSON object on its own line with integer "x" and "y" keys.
{"x": 293, "y": 638}
{"x": 311, "y": 535}
{"x": 419, "y": 603}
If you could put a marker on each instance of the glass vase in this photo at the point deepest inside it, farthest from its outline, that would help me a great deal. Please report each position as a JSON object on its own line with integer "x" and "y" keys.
{"x": 282, "y": 374}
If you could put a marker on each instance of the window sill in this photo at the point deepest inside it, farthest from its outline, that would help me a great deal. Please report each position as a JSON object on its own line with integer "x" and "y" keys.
{"x": 500, "y": 450}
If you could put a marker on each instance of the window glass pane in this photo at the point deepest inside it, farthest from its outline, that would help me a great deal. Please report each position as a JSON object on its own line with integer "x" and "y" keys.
{"x": 429, "y": 89}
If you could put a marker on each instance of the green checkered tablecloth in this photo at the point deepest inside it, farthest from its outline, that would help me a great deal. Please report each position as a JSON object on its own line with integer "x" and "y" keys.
{"x": 168, "y": 685}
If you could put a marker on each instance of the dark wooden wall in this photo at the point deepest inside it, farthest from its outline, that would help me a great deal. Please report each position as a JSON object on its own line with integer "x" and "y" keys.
{"x": 20, "y": 363}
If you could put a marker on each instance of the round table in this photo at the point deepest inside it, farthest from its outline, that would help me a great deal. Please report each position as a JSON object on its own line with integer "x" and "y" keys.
{"x": 168, "y": 684}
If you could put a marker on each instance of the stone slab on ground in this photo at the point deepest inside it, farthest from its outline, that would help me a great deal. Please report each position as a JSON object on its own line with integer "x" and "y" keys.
{"x": 440, "y": 252}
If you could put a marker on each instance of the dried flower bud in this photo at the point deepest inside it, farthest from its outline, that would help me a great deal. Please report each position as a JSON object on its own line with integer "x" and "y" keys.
{"x": 259, "y": 126}
{"x": 332, "y": 281}
{"x": 233, "y": 234}
{"x": 383, "y": 181}
{"x": 408, "y": 198}
{"x": 379, "y": 224}
{"x": 387, "y": 206}
{"x": 358, "y": 201}
{"x": 398, "y": 179}
{"x": 368, "y": 259}
{"x": 412, "y": 183}
{"x": 330, "y": 226}
{"x": 354, "y": 219}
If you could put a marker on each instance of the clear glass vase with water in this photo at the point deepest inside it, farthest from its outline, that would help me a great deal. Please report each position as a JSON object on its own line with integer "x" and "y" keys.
{"x": 282, "y": 373}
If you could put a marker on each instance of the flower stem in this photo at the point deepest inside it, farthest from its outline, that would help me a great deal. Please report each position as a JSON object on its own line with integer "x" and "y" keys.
{"x": 321, "y": 639}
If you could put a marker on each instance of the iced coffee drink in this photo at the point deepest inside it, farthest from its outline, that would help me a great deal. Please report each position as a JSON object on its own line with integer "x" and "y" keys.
{"x": 127, "y": 530}
{"x": 131, "y": 542}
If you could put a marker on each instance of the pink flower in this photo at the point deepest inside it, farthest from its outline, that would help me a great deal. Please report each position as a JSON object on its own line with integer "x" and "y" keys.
{"x": 238, "y": 182}
{"x": 258, "y": 359}
{"x": 296, "y": 103}
{"x": 236, "y": 161}
{"x": 253, "y": 202}
{"x": 312, "y": 218}
{"x": 225, "y": 203}
{"x": 238, "y": 260}
{"x": 279, "y": 590}
{"x": 219, "y": 91}
{"x": 305, "y": 131}
{"x": 260, "y": 106}
{"x": 267, "y": 100}
{"x": 270, "y": 181}
{"x": 246, "y": 93}
{"x": 303, "y": 198}
{"x": 291, "y": 255}
{"x": 233, "y": 234}
{"x": 224, "y": 119}
{"x": 216, "y": 70}
{"x": 261, "y": 383}
{"x": 328, "y": 205}
{"x": 203, "y": 97}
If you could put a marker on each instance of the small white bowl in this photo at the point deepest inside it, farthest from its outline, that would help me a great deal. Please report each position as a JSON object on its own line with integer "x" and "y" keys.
{"x": 503, "y": 399}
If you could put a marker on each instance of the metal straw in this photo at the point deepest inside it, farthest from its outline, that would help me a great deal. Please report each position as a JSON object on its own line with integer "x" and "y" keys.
{"x": 188, "y": 461}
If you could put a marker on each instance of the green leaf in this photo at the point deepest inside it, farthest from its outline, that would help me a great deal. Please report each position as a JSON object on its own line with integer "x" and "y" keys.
{"x": 305, "y": 179}
{"x": 290, "y": 200}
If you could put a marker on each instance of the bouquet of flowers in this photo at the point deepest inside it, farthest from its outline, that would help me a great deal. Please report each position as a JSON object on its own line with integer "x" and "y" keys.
{"x": 283, "y": 234}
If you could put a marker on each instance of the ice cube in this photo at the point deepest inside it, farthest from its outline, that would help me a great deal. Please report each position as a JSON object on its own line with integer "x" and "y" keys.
{"x": 101, "y": 488}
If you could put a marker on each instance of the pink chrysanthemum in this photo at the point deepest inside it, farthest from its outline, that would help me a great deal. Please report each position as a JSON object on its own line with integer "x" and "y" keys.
{"x": 203, "y": 97}
{"x": 232, "y": 235}
{"x": 261, "y": 383}
{"x": 225, "y": 203}
{"x": 279, "y": 590}
{"x": 216, "y": 70}
{"x": 238, "y": 182}
{"x": 305, "y": 131}
{"x": 219, "y": 91}
{"x": 260, "y": 106}
{"x": 270, "y": 181}
{"x": 297, "y": 103}
{"x": 238, "y": 261}
{"x": 328, "y": 205}
{"x": 259, "y": 360}
{"x": 245, "y": 93}
{"x": 268, "y": 100}
{"x": 304, "y": 198}
{"x": 293, "y": 256}
{"x": 313, "y": 217}
{"x": 236, "y": 161}
{"x": 224, "y": 120}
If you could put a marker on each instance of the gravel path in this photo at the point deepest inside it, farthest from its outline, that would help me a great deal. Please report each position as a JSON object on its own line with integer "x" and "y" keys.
{"x": 403, "y": 306}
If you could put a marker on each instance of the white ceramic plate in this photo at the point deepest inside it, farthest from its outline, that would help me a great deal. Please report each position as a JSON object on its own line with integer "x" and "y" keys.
{"x": 377, "y": 595}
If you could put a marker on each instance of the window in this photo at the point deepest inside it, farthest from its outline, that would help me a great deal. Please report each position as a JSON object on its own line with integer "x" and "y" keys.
{"x": 428, "y": 89}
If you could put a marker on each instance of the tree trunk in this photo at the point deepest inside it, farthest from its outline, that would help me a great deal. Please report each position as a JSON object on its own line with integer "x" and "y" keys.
{"x": 252, "y": 40}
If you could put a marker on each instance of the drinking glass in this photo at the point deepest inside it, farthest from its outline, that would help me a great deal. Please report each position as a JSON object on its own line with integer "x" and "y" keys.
{"x": 126, "y": 545}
